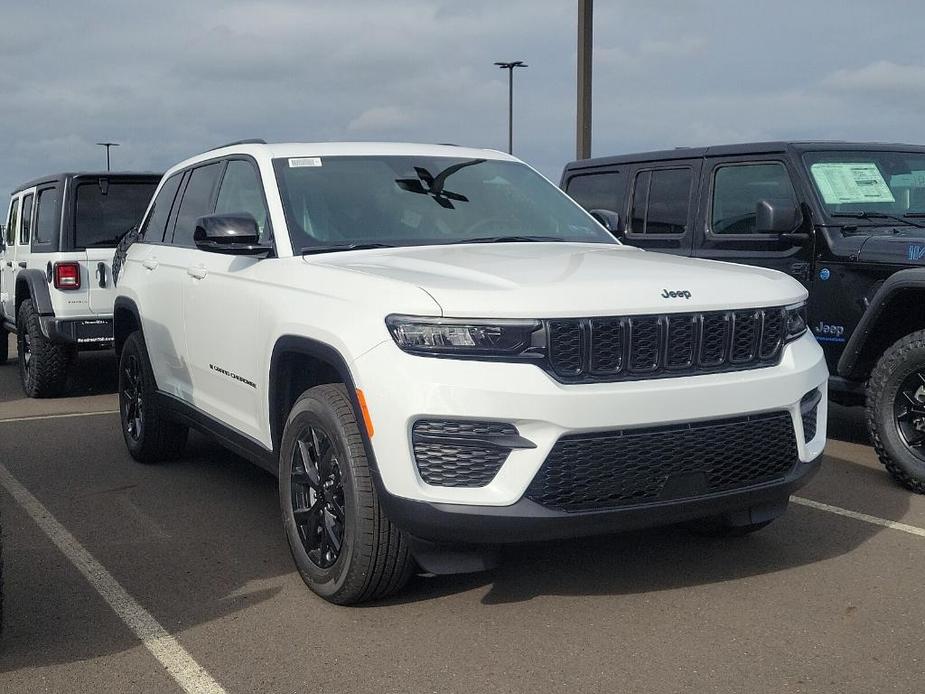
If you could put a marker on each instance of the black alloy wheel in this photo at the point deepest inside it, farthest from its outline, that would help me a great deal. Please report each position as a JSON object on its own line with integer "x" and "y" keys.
{"x": 131, "y": 393}
{"x": 317, "y": 496}
{"x": 909, "y": 411}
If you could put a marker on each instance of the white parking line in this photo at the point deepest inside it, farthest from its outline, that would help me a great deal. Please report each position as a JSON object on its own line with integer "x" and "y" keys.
{"x": 187, "y": 673}
{"x": 874, "y": 520}
{"x": 57, "y": 416}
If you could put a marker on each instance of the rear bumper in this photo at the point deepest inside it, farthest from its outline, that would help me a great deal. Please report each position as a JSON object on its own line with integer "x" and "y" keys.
{"x": 83, "y": 332}
{"x": 526, "y": 521}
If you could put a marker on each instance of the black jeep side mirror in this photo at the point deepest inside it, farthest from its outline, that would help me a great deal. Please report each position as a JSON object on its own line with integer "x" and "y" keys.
{"x": 776, "y": 216}
{"x": 609, "y": 219}
{"x": 234, "y": 234}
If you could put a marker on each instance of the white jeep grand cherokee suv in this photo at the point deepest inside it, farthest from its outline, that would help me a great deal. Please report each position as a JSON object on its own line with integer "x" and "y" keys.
{"x": 438, "y": 352}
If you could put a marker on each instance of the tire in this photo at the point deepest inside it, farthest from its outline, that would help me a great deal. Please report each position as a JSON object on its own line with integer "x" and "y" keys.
{"x": 150, "y": 435}
{"x": 345, "y": 548}
{"x": 896, "y": 410}
{"x": 43, "y": 365}
{"x": 4, "y": 346}
{"x": 718, "y": 527}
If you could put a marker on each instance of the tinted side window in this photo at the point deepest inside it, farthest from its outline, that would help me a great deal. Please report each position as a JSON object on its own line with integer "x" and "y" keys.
{"x": 196, "y": 202}
{"x": 156, "y": 222}
{"x": 596, "y": 191}
{"x": 661, "y": 200}
{"x": 737, "y": 189}
{"x": 26, "y": 232}
{"x": 241, "y": 191}
{"x": 46, "y": 218}
{"x": 11, "y": 223}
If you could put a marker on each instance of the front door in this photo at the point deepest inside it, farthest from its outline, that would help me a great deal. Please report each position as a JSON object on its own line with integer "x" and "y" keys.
{"x": 8, "y": 263}
{"x": 731, "y": 189}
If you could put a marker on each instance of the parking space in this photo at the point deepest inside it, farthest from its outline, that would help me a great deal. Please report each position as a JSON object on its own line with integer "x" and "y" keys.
{"x": 816, "y": 602}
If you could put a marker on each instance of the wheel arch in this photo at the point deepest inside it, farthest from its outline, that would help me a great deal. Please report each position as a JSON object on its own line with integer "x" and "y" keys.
{"x": 897, "y": 309}
{"x": 125, "y": 320}
{"x": 33, "y": 284}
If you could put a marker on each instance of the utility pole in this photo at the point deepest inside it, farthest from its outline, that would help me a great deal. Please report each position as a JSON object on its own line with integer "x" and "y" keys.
{"x": 583, "y": 130}
{"x": 510, "y": 66}
{"x": 107, "y": 145}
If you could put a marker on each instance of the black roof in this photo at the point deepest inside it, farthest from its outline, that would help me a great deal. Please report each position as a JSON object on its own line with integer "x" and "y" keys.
{"x": 744, "y": 148}
{"x": 67, "y": 175}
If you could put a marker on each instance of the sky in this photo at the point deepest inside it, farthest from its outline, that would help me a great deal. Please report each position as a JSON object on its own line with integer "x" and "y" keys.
{"x": 169, "y": 79}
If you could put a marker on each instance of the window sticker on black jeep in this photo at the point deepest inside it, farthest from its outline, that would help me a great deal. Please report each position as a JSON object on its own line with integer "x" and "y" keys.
{"x": 841, "y": 182}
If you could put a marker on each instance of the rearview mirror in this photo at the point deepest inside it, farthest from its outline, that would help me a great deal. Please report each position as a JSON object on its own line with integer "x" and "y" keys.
{"x": 234, "y": 234}
{"x": 609, "y": 219}
{"x": 776, "y": 216}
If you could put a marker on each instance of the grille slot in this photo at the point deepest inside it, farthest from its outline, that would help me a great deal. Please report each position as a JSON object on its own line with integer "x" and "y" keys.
{"x": 620, "y": 468}
{"x": 809, "y": 408}
{"x": 460, "y": 453}
{"x": 677, "y": 344}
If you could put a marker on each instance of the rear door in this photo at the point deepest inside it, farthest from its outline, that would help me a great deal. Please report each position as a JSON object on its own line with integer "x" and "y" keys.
{"x": 105, "y": 209}
{"x": 23, "y": 237}
{"x": 8, "y": 262}
{"x": 661, "y": 206}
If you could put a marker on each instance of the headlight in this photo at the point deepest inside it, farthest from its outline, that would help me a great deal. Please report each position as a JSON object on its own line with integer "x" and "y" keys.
{"x": 795, "y": 321}
{"x": 461, "y": 337}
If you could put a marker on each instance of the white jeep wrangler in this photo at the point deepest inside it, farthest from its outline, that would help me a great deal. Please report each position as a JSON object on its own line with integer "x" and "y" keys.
{"x": 56, "y": 287}
{"x": 437, "y": 352}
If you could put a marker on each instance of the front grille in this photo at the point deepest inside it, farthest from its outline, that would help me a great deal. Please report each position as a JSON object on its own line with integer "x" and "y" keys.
{"x": 675, "y": 344}
{"x": 461, "y": 453}
{"x": 620, "y": 468}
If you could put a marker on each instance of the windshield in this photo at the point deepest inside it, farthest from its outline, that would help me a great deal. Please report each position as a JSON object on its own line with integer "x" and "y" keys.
{"x": 859, "y": 183}
{"x": 102, "y": 218}
{"x": 419, "y": 200}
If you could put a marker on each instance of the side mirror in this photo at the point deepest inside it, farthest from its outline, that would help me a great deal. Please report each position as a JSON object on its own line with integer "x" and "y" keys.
{"x": 776, "y": 216}
{"x": 234, "y": 234}
{"x": 609, "y": 219}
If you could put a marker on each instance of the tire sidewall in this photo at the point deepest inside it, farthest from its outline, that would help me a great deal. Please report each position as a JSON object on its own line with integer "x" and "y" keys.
{"x": 24, "y": 326}
{"x": 134, "y": 347}
{"x": 913, "y": 360}
{"x": 311, "y": 411}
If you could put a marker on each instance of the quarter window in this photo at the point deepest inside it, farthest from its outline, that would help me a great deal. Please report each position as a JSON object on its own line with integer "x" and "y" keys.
{"x": 11, "y": 223}
{"x": 196, "y": 202}
{"x": 25, "y": 232}
{"x": 241, "y": 191}
{"x": 661, "y": 202}
{"x": 595, "y": 191}
{"x": 738, "y": 189}
{"x": 156, "y": 222}
{"x": 45, "y": 216}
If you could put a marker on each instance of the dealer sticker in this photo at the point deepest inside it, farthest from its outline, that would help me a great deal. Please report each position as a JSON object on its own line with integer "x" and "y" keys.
{"x": 304, "y": 161}
{"x": 853, "y": 182}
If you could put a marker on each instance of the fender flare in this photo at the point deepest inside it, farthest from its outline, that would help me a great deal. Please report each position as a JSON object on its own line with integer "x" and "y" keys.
{"x": 904, "y": 280}
{"x": 34, "y": 282}
{"x": 120, "y": 305}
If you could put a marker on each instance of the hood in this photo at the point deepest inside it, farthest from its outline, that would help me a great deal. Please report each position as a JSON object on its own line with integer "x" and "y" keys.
{"x": 903, "y": 248}
{"x": 533, "y": 280}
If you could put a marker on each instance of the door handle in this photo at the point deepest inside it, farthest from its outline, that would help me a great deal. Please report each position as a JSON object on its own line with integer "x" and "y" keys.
{"x": 22, "y": 264}
{"x": 197, "y": 272}
{"x": 150, "y": 263}
{"x": 101, "y": 273}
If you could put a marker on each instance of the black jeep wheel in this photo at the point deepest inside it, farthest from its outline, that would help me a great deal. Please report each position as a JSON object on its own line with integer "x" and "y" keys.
{"x": 148, "y": 432}
{"x": 346, "y": 549}
{"x": 896, "y": 410}
{"x": 43, "y": 365}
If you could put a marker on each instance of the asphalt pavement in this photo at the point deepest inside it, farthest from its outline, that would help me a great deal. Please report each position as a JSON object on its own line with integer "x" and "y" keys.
{"x": 96, "y": 545}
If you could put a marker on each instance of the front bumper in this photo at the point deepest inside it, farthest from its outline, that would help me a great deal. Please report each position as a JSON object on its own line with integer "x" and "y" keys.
{"x": 83, "y": 332}
{"x": 400, "y": 389}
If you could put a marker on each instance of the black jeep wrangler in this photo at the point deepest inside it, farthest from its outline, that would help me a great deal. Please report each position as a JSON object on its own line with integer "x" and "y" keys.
{"x": 846, "y": 219}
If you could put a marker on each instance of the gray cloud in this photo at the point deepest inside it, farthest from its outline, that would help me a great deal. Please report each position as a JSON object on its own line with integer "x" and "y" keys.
{"x": 172, "y": 78}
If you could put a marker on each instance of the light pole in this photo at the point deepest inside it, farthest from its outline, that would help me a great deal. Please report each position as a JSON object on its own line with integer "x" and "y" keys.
{"x": 583, "y": 126}
{"x": 107, "y": 145}
{"x": 510, "y": 99}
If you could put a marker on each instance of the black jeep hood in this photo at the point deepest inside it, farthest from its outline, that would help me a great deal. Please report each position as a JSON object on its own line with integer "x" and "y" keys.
{"x": 905, "y": 247}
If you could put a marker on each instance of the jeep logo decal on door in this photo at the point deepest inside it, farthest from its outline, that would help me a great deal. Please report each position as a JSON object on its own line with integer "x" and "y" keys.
{"x": 679, "y": 294}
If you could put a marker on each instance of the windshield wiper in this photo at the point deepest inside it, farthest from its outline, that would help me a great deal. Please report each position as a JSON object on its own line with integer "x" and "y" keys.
{"x": 313, "y": 250}
{"x": 877, "y": 215}
{"x": 509, "y": 239}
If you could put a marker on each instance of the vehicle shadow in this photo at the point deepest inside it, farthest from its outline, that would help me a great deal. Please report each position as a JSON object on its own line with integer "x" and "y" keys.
{"x": 94, "y": 373}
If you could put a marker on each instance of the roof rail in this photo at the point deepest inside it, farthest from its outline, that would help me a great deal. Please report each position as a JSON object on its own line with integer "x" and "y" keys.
{"x": 250, "y": 141}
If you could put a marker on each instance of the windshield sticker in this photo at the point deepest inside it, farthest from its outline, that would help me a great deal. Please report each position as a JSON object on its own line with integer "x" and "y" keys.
{"x": 304, "y": 161}
{"x": 842, "y": 183}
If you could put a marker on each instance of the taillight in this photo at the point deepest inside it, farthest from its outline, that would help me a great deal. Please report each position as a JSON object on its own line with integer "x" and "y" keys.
{"x": 67, "y": 276}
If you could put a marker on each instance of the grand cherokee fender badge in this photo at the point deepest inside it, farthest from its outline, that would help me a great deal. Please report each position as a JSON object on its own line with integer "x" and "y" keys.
{"x": 678, "y": 294}
{"x": 235, "y": 376}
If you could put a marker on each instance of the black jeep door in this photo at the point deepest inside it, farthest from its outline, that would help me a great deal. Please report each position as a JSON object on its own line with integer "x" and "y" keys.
{"x": 728, "y": 227}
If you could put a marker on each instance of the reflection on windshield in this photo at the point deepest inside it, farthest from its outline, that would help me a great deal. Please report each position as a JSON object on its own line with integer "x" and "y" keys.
{"x": 869, "y": 184}
{"x": 406, "y": 200}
